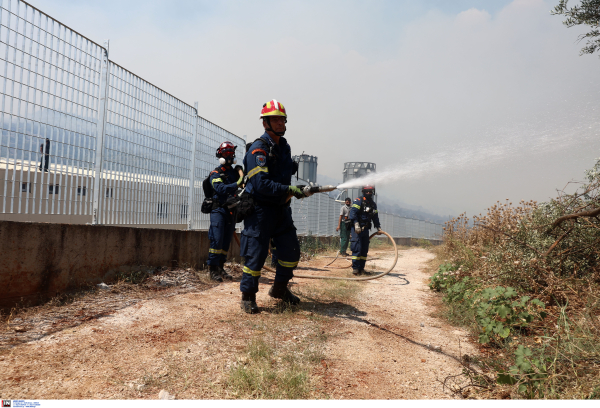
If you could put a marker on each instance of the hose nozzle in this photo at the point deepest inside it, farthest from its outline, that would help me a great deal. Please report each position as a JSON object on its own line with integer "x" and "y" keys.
{"x": 312, "y": 189}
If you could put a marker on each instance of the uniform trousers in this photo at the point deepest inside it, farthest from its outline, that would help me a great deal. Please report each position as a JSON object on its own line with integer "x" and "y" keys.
{"x": 264, "y": 224}
{"x": 219, "y": 235}
{"x": 359, "y": 244}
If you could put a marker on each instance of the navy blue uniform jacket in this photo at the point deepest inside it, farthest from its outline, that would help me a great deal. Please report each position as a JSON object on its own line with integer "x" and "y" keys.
{"x": 364, "y": 217}
{"x": 225, "y": 186}
{"x": 269, "y": 168}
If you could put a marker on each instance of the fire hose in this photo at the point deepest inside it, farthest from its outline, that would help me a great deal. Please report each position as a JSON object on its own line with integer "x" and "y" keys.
{"x": 312, "y": 189}
{"x": 343, "y": 278}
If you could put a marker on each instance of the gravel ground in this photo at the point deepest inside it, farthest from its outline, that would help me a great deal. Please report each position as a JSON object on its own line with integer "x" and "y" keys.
{"x": 181, "y": 333}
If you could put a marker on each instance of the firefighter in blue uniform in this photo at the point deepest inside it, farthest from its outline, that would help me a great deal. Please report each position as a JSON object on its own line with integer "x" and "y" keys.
{"x": 225, "y": 180}
{"x": 362, "y": 213}
{"x": 269, "y": 168}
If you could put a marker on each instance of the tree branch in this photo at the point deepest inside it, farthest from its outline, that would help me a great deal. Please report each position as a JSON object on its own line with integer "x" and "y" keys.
{"x": 558, "y": 241}
{"x": 560, "y": 220}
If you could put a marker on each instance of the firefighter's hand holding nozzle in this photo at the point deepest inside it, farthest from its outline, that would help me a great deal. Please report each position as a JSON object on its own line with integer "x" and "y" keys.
{"x": 357, "y": 228}
{"x": 296, "y": 192}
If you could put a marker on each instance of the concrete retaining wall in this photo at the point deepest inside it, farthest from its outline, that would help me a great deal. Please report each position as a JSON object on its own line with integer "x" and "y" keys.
{"x": 40, "y": 260}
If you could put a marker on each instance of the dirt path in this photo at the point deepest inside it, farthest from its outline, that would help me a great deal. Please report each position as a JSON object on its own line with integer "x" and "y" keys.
{"x": 392, "y": 347}
{"x": 371, "y": 340}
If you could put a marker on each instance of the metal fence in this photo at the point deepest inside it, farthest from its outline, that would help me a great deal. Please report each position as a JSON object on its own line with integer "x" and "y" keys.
{"x": 84, "y": 140}
{"x": 82, "y": 136}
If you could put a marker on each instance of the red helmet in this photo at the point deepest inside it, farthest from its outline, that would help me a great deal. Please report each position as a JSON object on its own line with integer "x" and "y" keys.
{"x": 368, "y": 189}
{"x": 226, "y": 150}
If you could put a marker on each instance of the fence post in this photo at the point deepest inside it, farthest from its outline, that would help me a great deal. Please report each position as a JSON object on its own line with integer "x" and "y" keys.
{"x": 102, "y": 104}
{"x": 192, "y": 171}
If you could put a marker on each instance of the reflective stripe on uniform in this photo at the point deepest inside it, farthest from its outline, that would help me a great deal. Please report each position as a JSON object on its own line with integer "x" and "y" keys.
{"x": 376, "y": 211}
{"x": 356, "y": 206}
{"x": 359, "y": 258}
{"x": 217, "y": 251}
{"x": 218, "y": 180}
{"x": 287, "y": 264}
{"x": 250, "y": 271}
{"x": 256, "y": 170}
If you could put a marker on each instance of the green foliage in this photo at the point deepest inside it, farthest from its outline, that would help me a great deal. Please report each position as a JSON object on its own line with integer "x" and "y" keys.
{"x": 443, "y": 278}
{"x": 424, "y": 243}
{"x": 515, "y": 260}
{"x": 586, "y": 13}
{"x": 498, "y": 310}
{"x": 311, "y": 245}
{"x": 462, "y": 291}
{"x": 498, "y": 314}
{"x": 529, "y": 373}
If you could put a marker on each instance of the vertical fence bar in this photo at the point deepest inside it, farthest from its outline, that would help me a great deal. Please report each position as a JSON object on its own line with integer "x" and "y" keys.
{"x": 190, "y": 205}
{"x": 100, "y": 133}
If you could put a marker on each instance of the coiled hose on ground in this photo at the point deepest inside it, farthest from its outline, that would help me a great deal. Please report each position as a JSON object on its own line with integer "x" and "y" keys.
{"x": 340, "y": 277}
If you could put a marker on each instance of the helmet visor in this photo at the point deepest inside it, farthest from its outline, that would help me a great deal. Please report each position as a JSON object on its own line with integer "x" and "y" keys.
{"x": 227, "y": 152}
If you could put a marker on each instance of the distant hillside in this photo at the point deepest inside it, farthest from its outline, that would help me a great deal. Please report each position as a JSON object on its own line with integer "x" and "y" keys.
{"x": 409, "y": 213}
{"x": 402, "y": 209}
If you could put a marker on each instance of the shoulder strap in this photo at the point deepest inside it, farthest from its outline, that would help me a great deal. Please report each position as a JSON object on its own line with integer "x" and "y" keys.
{"x": 248, "y": 145}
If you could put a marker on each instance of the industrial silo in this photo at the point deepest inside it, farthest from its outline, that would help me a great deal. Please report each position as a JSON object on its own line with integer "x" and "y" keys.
{"x": 307, "y": 167}
{"x": 353, "y": 170}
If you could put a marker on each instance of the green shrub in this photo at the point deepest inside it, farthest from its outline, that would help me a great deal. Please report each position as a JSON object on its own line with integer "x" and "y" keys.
{"x": 444, "y": 277}
{"x": 529, "y": 372}
{"x": 498, "y": 314}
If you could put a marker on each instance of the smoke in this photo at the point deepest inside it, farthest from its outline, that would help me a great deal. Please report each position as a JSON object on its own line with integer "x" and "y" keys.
{"x": 507, "y": 146}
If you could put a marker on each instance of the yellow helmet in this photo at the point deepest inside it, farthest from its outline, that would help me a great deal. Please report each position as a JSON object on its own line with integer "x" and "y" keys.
{"x": 273, "y": 108}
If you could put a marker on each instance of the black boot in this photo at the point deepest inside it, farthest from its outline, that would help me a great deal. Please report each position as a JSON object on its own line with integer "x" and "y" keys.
{"x": 249, "y": 303}
{"x": 223, "y": 272}
{"x": 279, "y": 290}
{"x": 356, "y": 272}
{"x": 215, "y": 275}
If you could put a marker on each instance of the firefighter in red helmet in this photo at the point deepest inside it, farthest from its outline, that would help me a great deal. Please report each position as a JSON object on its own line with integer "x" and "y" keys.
{"x": 362, "y": 213}
{"x": 225, "y": 181}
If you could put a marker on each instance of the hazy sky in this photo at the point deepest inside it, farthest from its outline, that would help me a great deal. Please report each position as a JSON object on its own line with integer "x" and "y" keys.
{"x": 471, "y": 101}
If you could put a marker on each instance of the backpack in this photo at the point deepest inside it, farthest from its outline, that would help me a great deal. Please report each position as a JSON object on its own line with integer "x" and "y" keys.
{"x": 210, "y": 202}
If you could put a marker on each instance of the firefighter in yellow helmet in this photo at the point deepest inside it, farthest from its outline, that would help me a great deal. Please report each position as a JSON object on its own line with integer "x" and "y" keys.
{"x": 269, "y": 167}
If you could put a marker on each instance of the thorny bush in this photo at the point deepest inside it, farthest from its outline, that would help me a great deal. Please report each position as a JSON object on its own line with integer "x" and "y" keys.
{"x": 505, "y": 267}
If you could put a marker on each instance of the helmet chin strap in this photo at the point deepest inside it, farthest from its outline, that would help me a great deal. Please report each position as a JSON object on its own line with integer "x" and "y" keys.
{"x": 270, "y": 129}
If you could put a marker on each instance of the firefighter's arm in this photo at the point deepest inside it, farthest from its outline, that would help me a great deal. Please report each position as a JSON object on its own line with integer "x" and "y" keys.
{"x": 258, "y": 175}
{"x": 376, "y": 220}
{"x": 220, "y": 187}
{"x": 240, "y": 172}
{"x": 354, "y": 209}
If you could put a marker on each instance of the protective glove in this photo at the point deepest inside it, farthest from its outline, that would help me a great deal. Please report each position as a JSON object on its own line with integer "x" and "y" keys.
{"x": 296, "y": 192}
{"x": 378, "y": 230}
{"x": 357, "y": 228}
{"x": 240, "y": 180}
